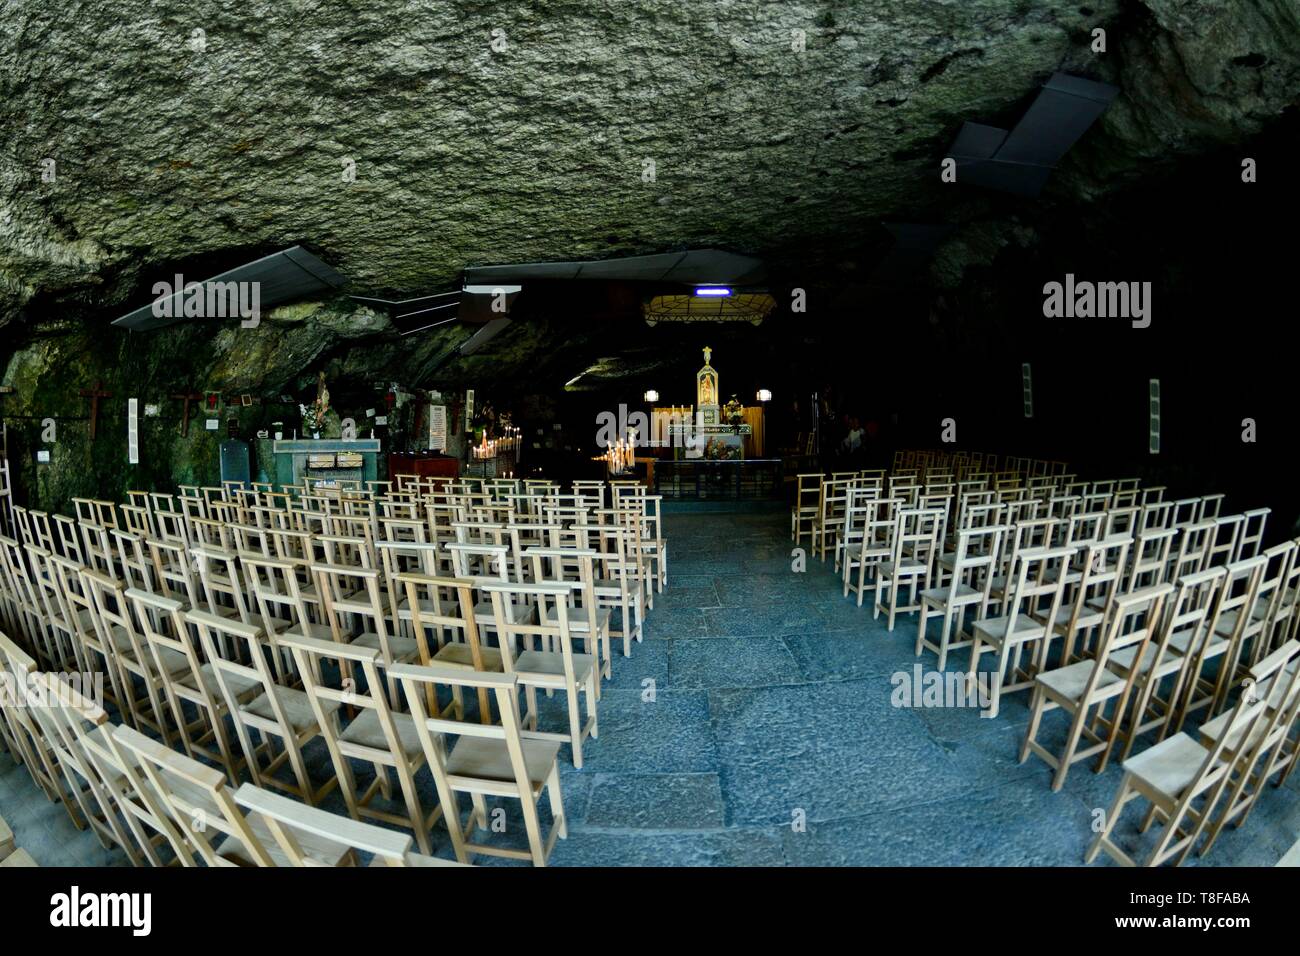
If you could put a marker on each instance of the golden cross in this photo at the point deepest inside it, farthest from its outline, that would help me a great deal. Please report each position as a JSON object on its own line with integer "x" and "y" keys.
{"x": 708, "y": 353}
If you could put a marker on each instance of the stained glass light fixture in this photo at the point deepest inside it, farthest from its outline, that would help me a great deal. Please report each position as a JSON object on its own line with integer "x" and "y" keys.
{"x": 752, "y": 307}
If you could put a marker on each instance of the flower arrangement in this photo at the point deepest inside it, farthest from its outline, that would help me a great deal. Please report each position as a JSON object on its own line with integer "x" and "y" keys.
{"x": 733, "y": 412}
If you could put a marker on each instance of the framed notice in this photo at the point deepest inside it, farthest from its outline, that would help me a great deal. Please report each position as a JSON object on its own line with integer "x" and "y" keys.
{"x": 438, "y": 427}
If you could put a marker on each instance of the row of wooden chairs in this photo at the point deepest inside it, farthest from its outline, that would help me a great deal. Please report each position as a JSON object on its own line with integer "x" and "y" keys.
{"x": 251, "y": 645}
{"x": 1127, "y": 612}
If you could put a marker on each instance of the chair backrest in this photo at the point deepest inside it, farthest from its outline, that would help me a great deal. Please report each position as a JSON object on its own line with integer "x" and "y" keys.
{"x": 975, "y": 561}
{"x": 1226, "y": 538}
{"x": 1194, "y": 543}
{"x": 1037, "y": 576}
{"x": 436, "y": 731}
{"x": 1149, "y": 563}
{"x": 480, "y": 563}
{"x": 361, "y": 696}
{"x": 220, "y": 578}
{"x": 1252, "y": 534}
{"x": 195, "y": 801}
{"x": 1132, "y": 620}
{"x": 337, "y": 604}
{"x": 549, "y": 626}
{"x": 173, "y": 571}
{"x": 289, "y": 822}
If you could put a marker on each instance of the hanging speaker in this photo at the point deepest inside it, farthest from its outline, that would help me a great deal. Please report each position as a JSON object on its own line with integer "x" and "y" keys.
{"x": 1154, "y": 429}
{"x": 1027, "y": 382}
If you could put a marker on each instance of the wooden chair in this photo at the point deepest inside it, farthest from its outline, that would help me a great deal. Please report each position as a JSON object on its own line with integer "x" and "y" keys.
{"x": 619, "y": 583}
{"x": 377, "y": 734}
{"x": 161, "y": 621}
{"x": 1267, "y": 749}
{"x": 486, "y": 760}
{"x": 1101, "y": 566}
{"x": 453, "y": 626}
{"x": 912, "y": 559}
{"x": 831, "y": 513}
{"x": 548, "y": 660}
{"x": 1194, "y": 544}
{"x": 66, "y": 718}
{"x": 61, "y": 644}
{"x": 1186, "y": 623}
{"x": 123, "y": 647}
{"x": 300, "y": 831}
{"x": 588, "y": 621}
{"x": 973, "y": 563}
{"x": 360, "y": 620}
{"x": 1252, "y": 533}
{"x": 238, "y": 654}
{"x": 1080, "y": 687}
{"x": 200, "y": 812}
{"x": 1172, "y": 776}
{"x": 25, "y": 734}
{"x": 1037, "y": 579}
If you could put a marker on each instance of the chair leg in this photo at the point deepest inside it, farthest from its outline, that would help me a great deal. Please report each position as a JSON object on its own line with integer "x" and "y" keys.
{"x": 1112, "y": 817}
{"x": 944, "y": 637}
{"x": 1035, "y": 718}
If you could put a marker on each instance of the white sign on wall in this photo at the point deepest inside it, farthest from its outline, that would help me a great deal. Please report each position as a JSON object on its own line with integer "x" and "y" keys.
{"x": 438, "y": 427}
{"x": 133, "y": 431}
{"x": 469, "y": 408}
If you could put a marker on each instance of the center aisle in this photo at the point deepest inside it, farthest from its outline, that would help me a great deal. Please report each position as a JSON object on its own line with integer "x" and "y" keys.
{"x": 772, "y": 700}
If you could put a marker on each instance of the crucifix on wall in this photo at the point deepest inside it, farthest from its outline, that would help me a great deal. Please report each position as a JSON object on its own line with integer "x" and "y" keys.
{"x": 94, "y": 394}
{"x": 185, "y": 411}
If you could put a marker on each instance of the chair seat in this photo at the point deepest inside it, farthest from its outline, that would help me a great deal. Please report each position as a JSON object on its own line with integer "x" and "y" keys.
{"x": 552, "y": 664}
{"x": 994, "y": 629}
{"x": 238, "y": 683}
{"x": 402, "y": 648}
{"x": 366, "y": 731}
{"x": 577, "y": 618}
{"x": 319, "y": 632}
{"x": 1088, "y": 617}
{"x": 488, "y": 759}
{"x": 295, "y": 703}
{"x": 314, "y": 846}
{"x": 173, "y": 662}
{"x": 457, "y": 654}
{"x": 520, "y": 613}
{"x": 858, "y": 556}
{"x": 1170, "y": 766}
{"x": 1228, "y": 619}
{"x": 1070, "y": 682}
{"x": 905, "y": 568}
{"x": 1122, "y": 662}
{"x": 1182, "y": 642}
{"x": 941, "y": 596}
{"x": 1212, "y": 730}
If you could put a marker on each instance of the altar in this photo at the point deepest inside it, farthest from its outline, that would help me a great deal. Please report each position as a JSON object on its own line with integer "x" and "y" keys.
{"x": 326, "y": 460}
{"x": 709, "y": 431}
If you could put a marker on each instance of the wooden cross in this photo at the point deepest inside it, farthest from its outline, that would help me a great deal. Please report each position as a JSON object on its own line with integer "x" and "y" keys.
{"x": 185, "y": 413}
{"x": 94, "y": 394}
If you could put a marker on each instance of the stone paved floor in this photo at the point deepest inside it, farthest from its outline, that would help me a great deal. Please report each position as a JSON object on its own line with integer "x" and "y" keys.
{"x": 771, "y": 704}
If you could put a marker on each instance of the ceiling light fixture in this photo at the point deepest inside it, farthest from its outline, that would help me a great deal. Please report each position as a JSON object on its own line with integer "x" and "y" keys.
{"x": 713, "y": 290}
{"x": 764, "y": 395}
{"x": 651, "y": 395}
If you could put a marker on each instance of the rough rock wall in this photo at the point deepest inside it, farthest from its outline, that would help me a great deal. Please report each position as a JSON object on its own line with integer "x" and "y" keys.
{"x": 517, "y": 131}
